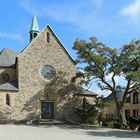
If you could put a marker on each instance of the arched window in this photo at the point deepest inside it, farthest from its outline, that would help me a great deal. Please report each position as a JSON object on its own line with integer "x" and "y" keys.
{"x": 6, "y": 77}
{"x": 48, "y": 37}
{"x": 8, "y": 99}
{"x": 35, "y": 34}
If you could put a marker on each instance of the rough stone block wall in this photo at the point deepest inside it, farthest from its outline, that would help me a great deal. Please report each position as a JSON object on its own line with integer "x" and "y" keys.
{"x": 31, "y": 84}
{"x": 26, "y": 103}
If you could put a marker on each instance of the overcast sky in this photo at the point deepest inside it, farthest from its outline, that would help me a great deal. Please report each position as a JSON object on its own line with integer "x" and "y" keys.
{"x": 114, "y": 22}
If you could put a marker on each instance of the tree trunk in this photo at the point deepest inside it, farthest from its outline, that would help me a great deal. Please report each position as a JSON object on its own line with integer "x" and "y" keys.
{"x": 121, "y": 115}
{"x": 120, "y": 112}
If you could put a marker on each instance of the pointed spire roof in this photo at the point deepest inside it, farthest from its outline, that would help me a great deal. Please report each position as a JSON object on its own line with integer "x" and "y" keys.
{"x": 34, "y": 25}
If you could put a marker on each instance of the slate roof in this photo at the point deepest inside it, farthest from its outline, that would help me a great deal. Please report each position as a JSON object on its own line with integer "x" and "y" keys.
{"x": 84, "y": 92}
{"x": 8, "y": 58}
{"x": 11, "y": 85}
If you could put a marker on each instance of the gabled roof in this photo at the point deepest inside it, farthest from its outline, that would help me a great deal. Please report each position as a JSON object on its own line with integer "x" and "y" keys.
{"x": 34, "y": 25}
{"x": 11, "y": 85}
{"x": 55, "y": 38}
{"x": 61, "y": 44}
{"x": 8, "y": 58}
{"x": 84, "y": 92}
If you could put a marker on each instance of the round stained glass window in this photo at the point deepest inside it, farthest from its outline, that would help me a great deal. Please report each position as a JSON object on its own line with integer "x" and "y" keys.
{"x": 6, "y": 77}
{"x": 48, "y": 72}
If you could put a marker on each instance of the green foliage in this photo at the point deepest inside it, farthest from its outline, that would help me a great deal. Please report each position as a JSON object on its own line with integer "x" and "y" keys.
{"x": 86, "y": 111}
{"x": 89, "y": 113}
{"x": 114, "y": 124}
{"x": 98, "y": 60}
{"x": 108, "y": 124}
{"x": 134, "y": 123}
{"x": 119, "y": 125}
{"x": 135, "y": 120}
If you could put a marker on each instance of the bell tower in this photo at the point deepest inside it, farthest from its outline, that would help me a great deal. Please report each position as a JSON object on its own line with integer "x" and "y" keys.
{"x": 34, "y": 30}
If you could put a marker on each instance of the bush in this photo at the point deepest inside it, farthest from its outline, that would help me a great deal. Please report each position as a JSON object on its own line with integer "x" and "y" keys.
{"x": 114, "y": 124}
{"x": 21, "y": 122}
{"x": 87, "y": 112}
{"x": 118, "y": 125}
{"x": 91, "y": 120}
{"x": 134, "y": 120}
{"x": 108, "y": 124}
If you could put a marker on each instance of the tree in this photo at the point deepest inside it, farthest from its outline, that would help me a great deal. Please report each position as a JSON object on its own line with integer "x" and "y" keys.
{"x": 87, "y": 112}
{"x": 98, "y": 60}
{"x": 90, "y": 113}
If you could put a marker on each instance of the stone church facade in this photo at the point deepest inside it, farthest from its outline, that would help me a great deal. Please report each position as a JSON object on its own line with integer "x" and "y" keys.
{"x": 35, "y": 83}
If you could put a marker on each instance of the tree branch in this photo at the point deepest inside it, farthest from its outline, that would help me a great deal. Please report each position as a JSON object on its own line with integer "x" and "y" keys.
{"x": 113, "y": 80}
{"x": 126, "y": 91}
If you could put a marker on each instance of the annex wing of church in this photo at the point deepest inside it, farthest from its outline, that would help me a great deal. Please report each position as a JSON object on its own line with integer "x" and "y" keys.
{"x": 35, "y": 83}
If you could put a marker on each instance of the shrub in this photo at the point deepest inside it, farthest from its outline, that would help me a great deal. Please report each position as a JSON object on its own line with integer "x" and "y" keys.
{"x": 108, "y": 124}
{"x": 92, "y": 120}
{"x": 114, "y": 124}
{"x": 118, "y": 125}
{"x": 134, "y": 120}
{"x": 87, "y": 112}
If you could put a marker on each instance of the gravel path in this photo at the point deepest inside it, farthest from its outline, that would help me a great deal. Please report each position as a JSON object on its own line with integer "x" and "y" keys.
{"x": 63, "y": 132}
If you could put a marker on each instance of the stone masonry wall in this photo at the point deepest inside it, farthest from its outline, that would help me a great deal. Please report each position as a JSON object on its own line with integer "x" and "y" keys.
{"x": 32, "y": 85}
{"x": 25, "y": 104}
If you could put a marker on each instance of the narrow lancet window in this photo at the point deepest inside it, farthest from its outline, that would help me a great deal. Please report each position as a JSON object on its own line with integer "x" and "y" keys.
{"x": 8, "y": 99}
{"x": 35, "y": 34}
{"x": 48, "y": 37}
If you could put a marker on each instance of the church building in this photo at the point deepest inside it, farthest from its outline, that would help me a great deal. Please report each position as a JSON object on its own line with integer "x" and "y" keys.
{"x": 35, "y": 84}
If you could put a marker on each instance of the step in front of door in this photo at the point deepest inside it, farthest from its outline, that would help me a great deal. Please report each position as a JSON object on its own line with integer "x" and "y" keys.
{"x": 50, "y": 122}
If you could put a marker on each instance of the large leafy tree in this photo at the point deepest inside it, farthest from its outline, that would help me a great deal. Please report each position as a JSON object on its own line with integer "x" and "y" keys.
{"x": 98, "y": 60}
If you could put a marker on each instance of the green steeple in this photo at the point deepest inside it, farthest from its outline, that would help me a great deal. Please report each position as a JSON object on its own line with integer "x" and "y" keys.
{"x": 34, "y": 25}
{"x": 34, "y": 30}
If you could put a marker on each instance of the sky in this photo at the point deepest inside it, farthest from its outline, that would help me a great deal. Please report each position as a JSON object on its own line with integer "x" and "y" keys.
{"x": 114, "y": 22}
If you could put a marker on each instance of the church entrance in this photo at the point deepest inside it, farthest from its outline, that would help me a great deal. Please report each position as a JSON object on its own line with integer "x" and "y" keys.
{"x": 47, "y": 109}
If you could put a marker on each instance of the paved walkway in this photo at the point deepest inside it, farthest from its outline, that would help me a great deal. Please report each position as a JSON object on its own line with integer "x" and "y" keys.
{"x": 64, "y": 132}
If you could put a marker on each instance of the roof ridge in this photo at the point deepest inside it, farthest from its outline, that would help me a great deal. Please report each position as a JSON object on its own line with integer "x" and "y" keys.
{"x": 8, "y": 49}
{"x": 47, "y": 26}
{"x": 6, "y": 53}
{"x": 59, "y": 41}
